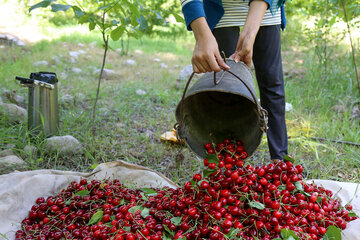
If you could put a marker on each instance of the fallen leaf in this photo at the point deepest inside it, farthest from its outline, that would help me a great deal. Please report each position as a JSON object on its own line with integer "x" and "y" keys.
{"x": 170, "y": 136}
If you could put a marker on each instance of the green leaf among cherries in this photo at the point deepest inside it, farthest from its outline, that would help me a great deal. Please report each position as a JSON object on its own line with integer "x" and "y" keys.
{"x": 149, "y": 191}
{"x": 289, "y": 158}
{"x": 288, "y": 234}
{"x": 257, "y": 205}
{"x": 135, "y": 208}
{"x": 332, "y": 233}
{"x": 352, "y": 214}
{"x": 212, "y": 158}
{"x": 83, "y": 193}
{"x": 145, "y": 212}
{"x": 97, "y": 217}
{"x": 176, "y": 220}
{"x": 207, "y": 172}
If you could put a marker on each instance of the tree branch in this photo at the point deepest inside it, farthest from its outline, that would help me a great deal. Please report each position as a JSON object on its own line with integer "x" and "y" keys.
{"x": 351, "y": 43}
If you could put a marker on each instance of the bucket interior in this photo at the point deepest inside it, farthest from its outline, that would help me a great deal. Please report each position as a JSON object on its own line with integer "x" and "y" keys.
{"x": 212, "y": 116}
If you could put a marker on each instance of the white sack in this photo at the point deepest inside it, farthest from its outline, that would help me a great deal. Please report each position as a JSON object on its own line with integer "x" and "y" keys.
{"x": 19, "y": 190}
{"x": 345, "y": 192}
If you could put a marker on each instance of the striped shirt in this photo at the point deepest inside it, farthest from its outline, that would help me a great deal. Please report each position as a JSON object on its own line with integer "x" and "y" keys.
{"x": 235, "y": 13}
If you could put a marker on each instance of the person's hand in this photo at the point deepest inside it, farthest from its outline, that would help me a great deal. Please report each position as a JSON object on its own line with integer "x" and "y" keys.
{"x": 244, "y": 50}
{"x": 245, "y": 45}
{"x": 206, "y": 56}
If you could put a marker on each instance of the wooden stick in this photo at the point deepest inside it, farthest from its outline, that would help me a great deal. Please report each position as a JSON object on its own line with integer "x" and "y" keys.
{"x": 336, "y": 141}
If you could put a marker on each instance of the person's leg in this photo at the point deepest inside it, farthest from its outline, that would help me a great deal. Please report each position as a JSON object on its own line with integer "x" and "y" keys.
{"x": 227, "y": 38}
{"x": 269, "y": 75}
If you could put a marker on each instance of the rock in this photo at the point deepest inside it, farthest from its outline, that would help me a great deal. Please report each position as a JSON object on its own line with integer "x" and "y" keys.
{"x": 30, "y": 150}
{"x": 2, "y": 46}
{"x": 355, "y": 113}
{"x": 63, "y": 144}
{"x": 40, "y": 63}
{"x": 149, "y": 133}
{"x": 81, "y": 44}
{"x": 107, "y": 73}
{"x": 63, "y": 75}
{"x": 79, "y": 97}
{"x": 73, "y": 60}
{"x": 103, "y": 111}
{"x": 19, "y": 42}
{"x": 130, "y": 62}
{"x": 16, "y": 113}
{"x": 163, "y": 65}
{"x": 140, "y": 92}
{"x": 74, "y": 55}
{"x": 186, "y": 72}
{"x": 10, "y": 39}
{"x": 56, "y": 59}
{"x": 339, "y": 108}
{"x": 13, "y": 97}
{"x": 67, "y": 99}
{"x": 10, "y": 161}
{"x": 76, "y": 70}
{"x": 138, "y": 51}
{"x": 156, "y": 60}
{"x": 120, "y": 125}
{"x": 10, "y": 146}
{"x": 6, "y": 152}
{"x": 288, "y": 107}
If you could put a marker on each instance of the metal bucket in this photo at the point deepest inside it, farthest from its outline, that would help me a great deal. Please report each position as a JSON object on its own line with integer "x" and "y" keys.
{"x": 221, "y": 105}
{"x": 43, "y": 108}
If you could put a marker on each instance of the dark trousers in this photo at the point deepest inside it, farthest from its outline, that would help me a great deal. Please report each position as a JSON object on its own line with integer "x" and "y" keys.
{"x": 269, "y": 74}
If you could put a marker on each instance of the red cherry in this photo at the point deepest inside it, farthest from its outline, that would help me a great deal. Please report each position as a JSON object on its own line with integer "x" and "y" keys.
{"x": 197, "y": 177}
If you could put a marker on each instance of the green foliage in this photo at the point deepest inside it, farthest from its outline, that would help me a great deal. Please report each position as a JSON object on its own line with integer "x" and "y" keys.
{"x": 120, "y": 17}
{"x": 288, "y": 234}
{"x": 97, "y": 217}
{"x": 115, "y": 18}
{"x": 332, "y": 233}
{"x": 316, "y": 8}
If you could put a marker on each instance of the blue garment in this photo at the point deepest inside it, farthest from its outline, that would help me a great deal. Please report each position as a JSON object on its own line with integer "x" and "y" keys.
{"x": 213, "y": 11}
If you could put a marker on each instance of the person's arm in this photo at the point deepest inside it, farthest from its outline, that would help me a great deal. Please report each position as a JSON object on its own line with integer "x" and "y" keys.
{"x": 244, "y": 49}
{"x": 206, "y": 56}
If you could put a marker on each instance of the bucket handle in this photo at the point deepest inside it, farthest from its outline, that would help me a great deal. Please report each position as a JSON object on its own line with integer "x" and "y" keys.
{"x": 261, "y": 111}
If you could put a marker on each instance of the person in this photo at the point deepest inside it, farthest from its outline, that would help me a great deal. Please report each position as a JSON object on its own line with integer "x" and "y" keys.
{"x": 216, "y": 28}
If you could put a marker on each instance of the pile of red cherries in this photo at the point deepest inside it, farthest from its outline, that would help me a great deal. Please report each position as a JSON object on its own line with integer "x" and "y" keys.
{"x": 229, "y": 200}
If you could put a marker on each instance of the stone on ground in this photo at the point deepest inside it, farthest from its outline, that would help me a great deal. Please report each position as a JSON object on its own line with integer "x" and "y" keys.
{"x": 10, "y": 161}
{"x": 186, "y": 72}
{"x": 76, "y": 70}
{"x": 63, "y": 144}
{"x": 13, "y": 97}
{"x": 30, "y": 150}
{"x": 107, "y": 73}
{"x": 17, "y": 114}
{"x": 6, "y": 152}
{"x": 163, "y": 65}
{"x": 40, "y": 63}
{"x": 130, "y": 62}
{"x": 67, "y": 99}
{"x": 140, "y": 92}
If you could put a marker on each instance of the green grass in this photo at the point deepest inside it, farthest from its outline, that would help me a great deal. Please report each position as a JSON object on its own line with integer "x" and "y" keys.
{"x": 129, "y": 125}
